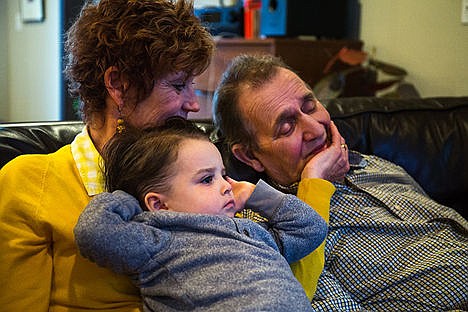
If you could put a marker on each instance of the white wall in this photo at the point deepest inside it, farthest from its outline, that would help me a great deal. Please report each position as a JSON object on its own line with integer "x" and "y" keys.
{"x": 33, "y": 74}
{"x": 4, "y": 109}
{"x": 425, "y": 37}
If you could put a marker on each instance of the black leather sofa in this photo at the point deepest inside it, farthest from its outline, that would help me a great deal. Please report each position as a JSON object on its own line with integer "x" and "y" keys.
{"x": 428, "y": 137}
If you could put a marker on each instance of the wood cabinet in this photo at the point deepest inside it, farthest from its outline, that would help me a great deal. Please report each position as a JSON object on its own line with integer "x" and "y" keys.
{"x": 307, "y": 57}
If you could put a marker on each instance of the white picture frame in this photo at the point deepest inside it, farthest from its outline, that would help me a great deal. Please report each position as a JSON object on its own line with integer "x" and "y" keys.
{"x": 32, "y": 11}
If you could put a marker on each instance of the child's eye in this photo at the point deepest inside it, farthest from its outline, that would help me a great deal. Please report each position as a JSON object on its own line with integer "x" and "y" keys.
{"x": 207, "y": 180}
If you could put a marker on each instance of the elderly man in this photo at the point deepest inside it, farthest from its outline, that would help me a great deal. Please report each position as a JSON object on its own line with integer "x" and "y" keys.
{"x": 390, "y": 247}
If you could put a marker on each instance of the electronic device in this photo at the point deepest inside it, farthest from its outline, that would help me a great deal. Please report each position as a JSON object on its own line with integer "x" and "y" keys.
{"x": 331, "y": 19}
{"x": 226, "y": 21}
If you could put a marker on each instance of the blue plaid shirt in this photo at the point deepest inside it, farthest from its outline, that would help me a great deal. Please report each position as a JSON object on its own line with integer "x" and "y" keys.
{"x": 390, "y": 247}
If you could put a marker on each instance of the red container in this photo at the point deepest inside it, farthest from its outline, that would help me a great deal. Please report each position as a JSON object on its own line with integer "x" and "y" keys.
{"x": 252, "y": 18}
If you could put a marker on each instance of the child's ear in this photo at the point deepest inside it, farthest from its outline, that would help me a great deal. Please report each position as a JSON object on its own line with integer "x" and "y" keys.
{"x": 154, "y": 202}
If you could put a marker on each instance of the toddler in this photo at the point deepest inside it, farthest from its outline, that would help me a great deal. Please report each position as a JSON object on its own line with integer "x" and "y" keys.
{"x": 168, "y": 221}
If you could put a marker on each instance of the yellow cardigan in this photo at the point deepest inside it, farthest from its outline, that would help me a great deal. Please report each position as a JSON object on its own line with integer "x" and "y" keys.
{"x": 40, "y": 267}
{"x": 317, "y": 194}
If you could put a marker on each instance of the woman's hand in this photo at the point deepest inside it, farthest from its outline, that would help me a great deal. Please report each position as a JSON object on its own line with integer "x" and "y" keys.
{"x": 241, "y": 191}
{"x": 332, "y": 163}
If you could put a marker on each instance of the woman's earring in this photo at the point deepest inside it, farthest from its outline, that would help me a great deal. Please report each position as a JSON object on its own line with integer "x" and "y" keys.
{"x": 120, "y": 123}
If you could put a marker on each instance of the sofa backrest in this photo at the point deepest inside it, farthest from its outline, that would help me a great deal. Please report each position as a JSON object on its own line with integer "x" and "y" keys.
{"x": 427, "y": 137}
{"x": 46, "y": 137}
{"x": 35, "y": 137}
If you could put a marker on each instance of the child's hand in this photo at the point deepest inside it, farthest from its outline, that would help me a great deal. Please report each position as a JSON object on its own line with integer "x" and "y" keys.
{"x": 242, "y": 191}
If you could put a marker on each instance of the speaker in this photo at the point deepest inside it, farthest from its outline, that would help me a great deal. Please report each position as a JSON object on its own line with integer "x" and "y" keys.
{"x": 327, "y": 19}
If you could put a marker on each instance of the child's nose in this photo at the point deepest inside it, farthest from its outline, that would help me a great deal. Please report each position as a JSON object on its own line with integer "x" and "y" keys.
{"x": 227, "y": 188}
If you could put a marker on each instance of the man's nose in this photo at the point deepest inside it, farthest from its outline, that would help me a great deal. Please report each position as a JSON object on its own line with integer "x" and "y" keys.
{"x": 311, "y": 128}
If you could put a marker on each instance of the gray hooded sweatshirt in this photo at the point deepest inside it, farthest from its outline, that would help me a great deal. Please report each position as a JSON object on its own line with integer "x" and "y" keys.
{"x": 197, "y": 262}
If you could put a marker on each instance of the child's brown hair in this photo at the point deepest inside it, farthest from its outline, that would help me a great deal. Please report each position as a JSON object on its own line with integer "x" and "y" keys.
{"x": 140, "y": 161}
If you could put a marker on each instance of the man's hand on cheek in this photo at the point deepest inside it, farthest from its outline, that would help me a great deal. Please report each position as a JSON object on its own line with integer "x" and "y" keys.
{"x": 332, "y": 163}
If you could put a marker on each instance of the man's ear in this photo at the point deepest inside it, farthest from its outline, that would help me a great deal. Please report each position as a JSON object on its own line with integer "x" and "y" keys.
{"x": 153, "y": 201}
{"x": 242, "y": 153}
{"x": 114, "y": 84}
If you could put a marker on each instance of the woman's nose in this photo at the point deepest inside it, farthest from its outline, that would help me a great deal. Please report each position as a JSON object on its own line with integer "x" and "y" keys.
{"x": 191, "y": 106}
{"x": 191, "y": 101}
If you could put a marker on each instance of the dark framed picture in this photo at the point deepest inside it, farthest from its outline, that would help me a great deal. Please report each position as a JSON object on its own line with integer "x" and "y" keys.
{"x": 32, "y": 11}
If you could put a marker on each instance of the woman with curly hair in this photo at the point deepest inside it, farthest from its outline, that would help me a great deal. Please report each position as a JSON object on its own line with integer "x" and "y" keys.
{"x": 131, "y": 63}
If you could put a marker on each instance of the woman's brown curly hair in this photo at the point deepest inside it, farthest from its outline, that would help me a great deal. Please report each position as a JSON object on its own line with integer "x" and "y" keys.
{"x": 145, "y": 39}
